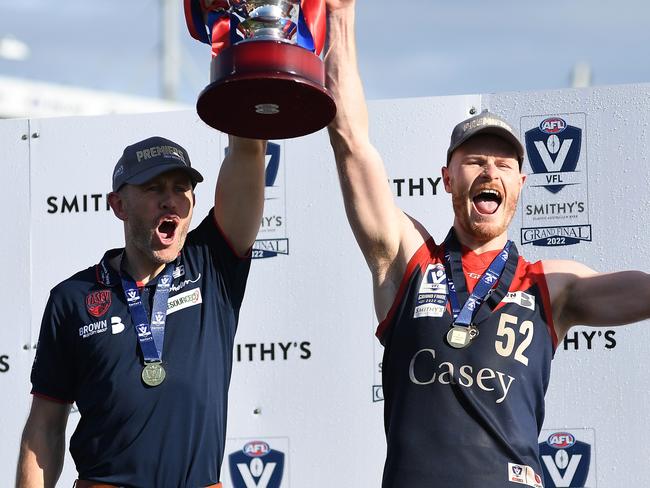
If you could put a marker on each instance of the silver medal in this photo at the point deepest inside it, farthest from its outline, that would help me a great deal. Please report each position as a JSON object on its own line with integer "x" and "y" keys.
{"x": 153, "y": 374}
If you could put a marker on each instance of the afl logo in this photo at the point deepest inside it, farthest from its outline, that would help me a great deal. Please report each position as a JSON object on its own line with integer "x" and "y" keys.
{"x": 552, "y": 125}
{"x": 561, "y": 440}
{"x": 256, "y": 449}
{"x": 98, "y": 302}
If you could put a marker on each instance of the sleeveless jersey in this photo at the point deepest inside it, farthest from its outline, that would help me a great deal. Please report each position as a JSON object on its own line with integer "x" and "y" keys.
{"x": 465, "y": 418}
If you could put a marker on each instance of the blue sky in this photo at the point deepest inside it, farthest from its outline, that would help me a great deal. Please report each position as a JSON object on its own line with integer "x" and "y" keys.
{"x": 406, "y": 48}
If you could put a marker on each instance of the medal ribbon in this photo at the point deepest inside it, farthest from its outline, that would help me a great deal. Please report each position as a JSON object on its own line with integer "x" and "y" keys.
{"x": 465, "y": 315}
{"x": 151, "y": 335}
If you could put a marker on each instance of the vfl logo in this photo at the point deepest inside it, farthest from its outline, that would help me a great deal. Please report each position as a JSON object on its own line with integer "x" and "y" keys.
{"x": 565, "y": 460}
{"x": 143, "y": 332}
{"x": 165, "y": 280}
{"x": 158, "y": 318}
{"x": 256, "y": 466}
{"x": 553, "y": 150}
{"x": 98, "y": 302}
{"x": 131, "y": 295}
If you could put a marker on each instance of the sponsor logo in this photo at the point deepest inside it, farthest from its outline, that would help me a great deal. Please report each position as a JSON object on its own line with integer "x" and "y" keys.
{"x": 256, "y": 465}
{"x": 184, "y": 300}
{"x": 415, "y": 187}
{"x": 566, "y": 460}
{"x": 184, "y": 283}
{"x": 117, "y": 326}
{"x": 89, "y": 330}
{"x": 589, "y": 340}
{"x": 4, "y": 363}
{"x": 524, "y": 475}
{"x": 165, "y": 151}
{"x": 424, "y": 370}
{"x": 273, "y": 351}
{"x": 272, "y": 238}
{"x": 93, "y": 202}
{"x": 555, "y": 207}
{"x": 520, "y": 298}
{"x": 179, "y": 271}
{"x": 98, "y": 302}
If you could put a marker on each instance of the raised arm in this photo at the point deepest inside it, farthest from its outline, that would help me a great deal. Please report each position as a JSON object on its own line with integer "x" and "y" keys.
{"x": 42, "y": 447}
{"x": 239, "y": 196}
{"x": 386, "y": 236}
{"x": 581, "y": 296}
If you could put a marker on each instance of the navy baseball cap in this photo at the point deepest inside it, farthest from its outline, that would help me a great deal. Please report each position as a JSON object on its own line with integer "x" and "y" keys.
{"x": 146, "y": 159}
{"x": 484, "y": 123}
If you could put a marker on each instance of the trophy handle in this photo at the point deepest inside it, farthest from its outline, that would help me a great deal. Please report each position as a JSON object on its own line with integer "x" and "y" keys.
{"x": 315, "y": 17}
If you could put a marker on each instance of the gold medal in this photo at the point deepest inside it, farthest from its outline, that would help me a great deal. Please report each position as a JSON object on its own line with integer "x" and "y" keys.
{"x": 459, "y": 337}
{"x": 153, "y": 374}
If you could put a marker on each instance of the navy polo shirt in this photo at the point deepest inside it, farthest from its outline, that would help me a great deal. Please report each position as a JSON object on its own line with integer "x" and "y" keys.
{"x": 130, "y": 434}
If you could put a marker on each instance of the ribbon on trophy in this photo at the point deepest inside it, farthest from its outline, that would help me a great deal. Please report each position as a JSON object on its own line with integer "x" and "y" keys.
{"x": 211, "y": 22}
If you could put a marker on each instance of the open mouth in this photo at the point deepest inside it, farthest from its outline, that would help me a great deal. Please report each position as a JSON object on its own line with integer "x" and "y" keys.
{"x": 167, "y": 230}
{"x": 487, "y": 201}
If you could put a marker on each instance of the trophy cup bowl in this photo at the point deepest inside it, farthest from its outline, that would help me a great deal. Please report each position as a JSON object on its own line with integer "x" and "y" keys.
{"x": 263, "y": 83}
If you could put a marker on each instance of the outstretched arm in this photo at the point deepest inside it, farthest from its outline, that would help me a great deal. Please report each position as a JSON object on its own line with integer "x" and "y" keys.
{"x": 43, "y": 445}
{"x": 581, "y": 296}
{"x": 239, "y": 196}
{"x": 386, "y": 236}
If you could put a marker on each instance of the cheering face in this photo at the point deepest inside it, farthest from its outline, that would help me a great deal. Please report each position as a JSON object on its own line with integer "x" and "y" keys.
{"x": 157, "y": 216}
{"x": 484, "y": 180}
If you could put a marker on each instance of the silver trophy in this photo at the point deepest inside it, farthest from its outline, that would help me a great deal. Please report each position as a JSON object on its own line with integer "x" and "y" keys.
{"x": 266, "y": 78}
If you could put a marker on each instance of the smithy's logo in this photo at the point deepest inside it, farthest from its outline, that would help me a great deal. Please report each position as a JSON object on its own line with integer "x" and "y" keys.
{"x": 98, "y": 302}
{"x": 565, "y": 460}
{"x": 256, "y": 466}
{"x": 554, "y": 151}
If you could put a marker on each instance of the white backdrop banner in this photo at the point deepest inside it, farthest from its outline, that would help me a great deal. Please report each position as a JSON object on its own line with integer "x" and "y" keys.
{"x": 306, "y": 401}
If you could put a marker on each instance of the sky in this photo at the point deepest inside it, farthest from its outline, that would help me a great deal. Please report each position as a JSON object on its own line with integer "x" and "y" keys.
{"x": 410, "y": 48}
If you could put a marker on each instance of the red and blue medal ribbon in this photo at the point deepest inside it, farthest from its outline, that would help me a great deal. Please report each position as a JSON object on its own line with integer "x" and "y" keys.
{"x": 465, "y": 316}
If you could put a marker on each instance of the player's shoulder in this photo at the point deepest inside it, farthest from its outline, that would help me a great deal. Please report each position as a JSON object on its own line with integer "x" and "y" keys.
{"x": 566, "y": 267}
{"x": 81, "y": 283}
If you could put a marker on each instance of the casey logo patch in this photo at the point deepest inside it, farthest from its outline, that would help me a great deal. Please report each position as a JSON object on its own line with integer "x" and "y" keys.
{"x": 183, "y": 300}
{"x": 98, "y": 302}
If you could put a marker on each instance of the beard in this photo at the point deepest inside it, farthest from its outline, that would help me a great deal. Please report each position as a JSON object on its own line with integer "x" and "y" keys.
{"x": 142, "y": 235}
{"x": 484, "y": 228}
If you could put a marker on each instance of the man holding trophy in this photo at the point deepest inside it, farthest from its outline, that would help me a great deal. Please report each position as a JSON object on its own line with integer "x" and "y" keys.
{"x": 469, "y": 327}
{"x": 154, "y": 416}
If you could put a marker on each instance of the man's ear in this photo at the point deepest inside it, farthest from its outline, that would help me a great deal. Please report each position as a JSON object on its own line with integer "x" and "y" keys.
{"x": 118, "y": 205}
{"x": 446, "y": 179}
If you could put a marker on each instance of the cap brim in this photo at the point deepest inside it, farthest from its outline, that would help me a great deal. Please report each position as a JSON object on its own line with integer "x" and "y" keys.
{"x": 493, "y": 130}
{"x": 151, "y": 173}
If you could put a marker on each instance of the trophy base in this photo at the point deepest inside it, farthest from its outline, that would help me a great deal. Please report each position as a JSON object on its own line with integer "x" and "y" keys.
{"x": 266, "y": 90}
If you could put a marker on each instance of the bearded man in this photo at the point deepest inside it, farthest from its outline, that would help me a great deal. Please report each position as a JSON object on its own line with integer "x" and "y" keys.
{"x": 142, "y": 342}
{"x": 469, "y": 327}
